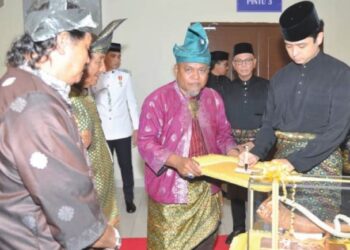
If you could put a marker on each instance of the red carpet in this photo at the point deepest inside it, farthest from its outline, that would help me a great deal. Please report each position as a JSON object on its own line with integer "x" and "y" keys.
{"x": 141, "y": 243}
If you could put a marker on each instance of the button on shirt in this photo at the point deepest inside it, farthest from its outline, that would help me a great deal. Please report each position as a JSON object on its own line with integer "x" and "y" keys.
{"x": 310, "y": 98}
{"x": 116, "y": 104}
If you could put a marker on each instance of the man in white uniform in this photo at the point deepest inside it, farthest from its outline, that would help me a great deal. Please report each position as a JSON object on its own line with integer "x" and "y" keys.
{"x": 117, "y": 108}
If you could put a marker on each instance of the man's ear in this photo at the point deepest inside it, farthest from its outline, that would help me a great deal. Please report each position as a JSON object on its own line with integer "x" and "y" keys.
{"x": 176, "y": 69}
{"x": 62, "y": 41}
{"x": 254, "y": 63}
{"x": 319, "y": 38}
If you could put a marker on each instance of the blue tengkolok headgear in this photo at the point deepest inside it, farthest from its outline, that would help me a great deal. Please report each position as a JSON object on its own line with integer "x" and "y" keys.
{"x": 195, "y": 47}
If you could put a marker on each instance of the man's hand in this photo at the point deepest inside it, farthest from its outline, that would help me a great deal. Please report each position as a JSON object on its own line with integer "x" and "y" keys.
{"x": 107, "y": 239}
{"x": 186, "y": 167}
{"x": 242, "y": 147}
{"x": 86, "y": 137}
{"x": 247, "y": 158}
{"x": 233, "y": 152}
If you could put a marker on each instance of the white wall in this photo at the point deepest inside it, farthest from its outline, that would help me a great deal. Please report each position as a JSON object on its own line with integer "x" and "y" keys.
{"x": 153, "y": 26}
{"x": 11, "y": 26}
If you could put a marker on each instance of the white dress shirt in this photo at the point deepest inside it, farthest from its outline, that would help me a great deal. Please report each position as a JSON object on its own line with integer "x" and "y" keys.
{"x": 116, "y": 104}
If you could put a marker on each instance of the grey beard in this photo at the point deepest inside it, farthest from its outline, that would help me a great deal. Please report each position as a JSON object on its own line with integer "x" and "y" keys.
{"x": 193, "y": 93}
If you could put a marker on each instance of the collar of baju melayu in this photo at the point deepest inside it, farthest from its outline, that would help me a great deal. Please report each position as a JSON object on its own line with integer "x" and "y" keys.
{"x": 313, "y": 61}
{"x": 192, "y": 101}
{"x": 246, "y": 83}
{"x": 61, "y": 87}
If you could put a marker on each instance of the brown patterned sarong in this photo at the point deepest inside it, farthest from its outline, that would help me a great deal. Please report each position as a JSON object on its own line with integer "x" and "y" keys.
{"x": 345, "y": 149}
{"x": 322, "y": 199}
{"x": 244, "y": 135}
{"x": 183, "y": 226}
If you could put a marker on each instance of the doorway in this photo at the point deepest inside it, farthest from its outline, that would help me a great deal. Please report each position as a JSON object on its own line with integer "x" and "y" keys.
{"x": 265, "y": 38}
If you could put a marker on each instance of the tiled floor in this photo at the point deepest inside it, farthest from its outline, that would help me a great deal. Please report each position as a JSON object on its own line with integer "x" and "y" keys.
{"x": 135, "y": 225}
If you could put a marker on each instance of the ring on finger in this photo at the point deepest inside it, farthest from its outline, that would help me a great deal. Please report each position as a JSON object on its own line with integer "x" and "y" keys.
{"x": 190, "y": 176}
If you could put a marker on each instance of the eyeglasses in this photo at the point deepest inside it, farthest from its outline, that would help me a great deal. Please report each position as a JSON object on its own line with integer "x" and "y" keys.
{"x": 245, "y": 61}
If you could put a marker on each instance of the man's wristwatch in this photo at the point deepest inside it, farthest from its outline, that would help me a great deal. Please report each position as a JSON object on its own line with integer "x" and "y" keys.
{"x": 118, "y": 239}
